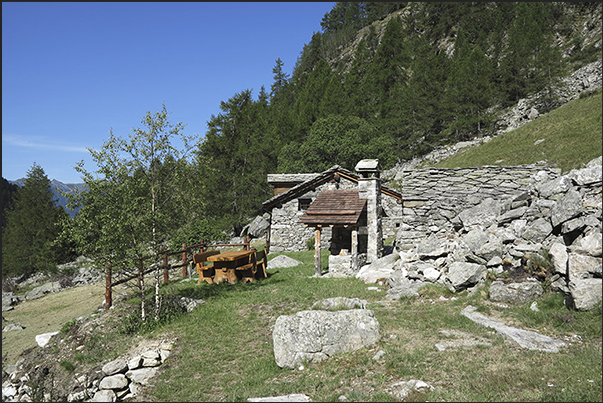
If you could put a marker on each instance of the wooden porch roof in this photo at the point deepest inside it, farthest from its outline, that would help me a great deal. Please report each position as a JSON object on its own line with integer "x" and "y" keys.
{"x": 334, "y": 207}
{"x": 317, "y": 180}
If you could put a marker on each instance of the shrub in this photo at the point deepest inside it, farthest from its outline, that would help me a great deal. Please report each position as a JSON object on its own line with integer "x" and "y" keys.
{"x": 310, "y": 243}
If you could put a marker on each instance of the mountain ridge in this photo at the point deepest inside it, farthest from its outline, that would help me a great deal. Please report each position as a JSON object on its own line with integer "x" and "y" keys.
{"x": 57, "y": 188}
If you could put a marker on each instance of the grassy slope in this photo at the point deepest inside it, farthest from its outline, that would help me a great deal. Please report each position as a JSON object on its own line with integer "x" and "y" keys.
{"x": 224, "y": 347}
{"x": 572, "y": 137}
{"x": 48, "y": 314}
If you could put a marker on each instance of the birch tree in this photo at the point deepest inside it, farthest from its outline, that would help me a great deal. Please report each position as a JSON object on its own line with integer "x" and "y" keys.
{"x": 135, "y": 199}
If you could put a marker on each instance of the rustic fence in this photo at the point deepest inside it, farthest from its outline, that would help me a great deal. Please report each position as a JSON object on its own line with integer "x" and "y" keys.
{"x": 187, "y": 254}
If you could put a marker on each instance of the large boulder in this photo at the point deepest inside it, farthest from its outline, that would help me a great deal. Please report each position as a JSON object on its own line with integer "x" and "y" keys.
{"x": 380, "y": 270}
{"x": 484, "y": 214}
{"x": 282, "y": 261}
{"x": 566, "y": 208}
{"x": 588, "y": 175}
{"x": 583, "y": 266}
{"x": 515, "y": 293}
{"x": 44, "y": 339}
{"x": 558, "y": 253}
{"x": 43, "y": 289}
{"x": 462, "y": 275}
{"x": 538, "y": 230}
{"x": 314, "y": 336}
{"x": 257, "y": 228}
{"x": 115, "y": 367}
{"x": 586, "y": 293}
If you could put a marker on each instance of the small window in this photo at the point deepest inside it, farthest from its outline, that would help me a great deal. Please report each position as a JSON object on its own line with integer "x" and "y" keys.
{"x": 303, "y": 204}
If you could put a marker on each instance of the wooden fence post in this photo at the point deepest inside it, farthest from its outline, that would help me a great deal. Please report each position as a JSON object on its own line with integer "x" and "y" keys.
{"x": 165, "y": 267}
{"x": 267, "y": 247}
{"x": 108, "y": 293}
{"x": 184, "y": 260}
{"x": 202, "y": 249}
{"x": 246, "y": 242}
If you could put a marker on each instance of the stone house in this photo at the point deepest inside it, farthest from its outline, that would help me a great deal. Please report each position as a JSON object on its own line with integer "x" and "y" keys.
{"x": 343, "y": 211}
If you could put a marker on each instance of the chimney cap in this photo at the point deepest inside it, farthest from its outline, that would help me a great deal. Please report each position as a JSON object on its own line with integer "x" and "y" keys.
{"x": 368, "y": 165}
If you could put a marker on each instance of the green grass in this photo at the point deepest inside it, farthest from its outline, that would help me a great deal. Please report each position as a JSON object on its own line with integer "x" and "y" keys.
{"x": 223, "y": 350}
{"x": 225, "y": 353}
{"x": 572, "y": 137}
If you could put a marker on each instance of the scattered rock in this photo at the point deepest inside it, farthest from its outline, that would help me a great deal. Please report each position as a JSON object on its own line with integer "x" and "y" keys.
{"x": 525, "y": 338}
{"x": 282, "y": 261}
{"x": 313, "y": 336}
{"x": 43, "y": 339}
{"x": 294, "y": 397}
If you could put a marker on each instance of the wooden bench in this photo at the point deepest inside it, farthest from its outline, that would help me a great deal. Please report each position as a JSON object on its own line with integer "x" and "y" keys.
{"x": 261, "y": 263}
{"x": 205, "y": 272}
{"x": 255, "y": 269}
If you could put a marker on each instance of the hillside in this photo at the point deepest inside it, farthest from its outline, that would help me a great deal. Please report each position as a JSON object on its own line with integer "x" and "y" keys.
{"x": 393, "y": 88}
{"x": 58, "y": 188}
{"x": 567, "y": 138}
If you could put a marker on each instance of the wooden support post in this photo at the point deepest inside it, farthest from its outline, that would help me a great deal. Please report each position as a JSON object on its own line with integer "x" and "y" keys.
{"x": 355, "y": 249}
{"x": 108, "y": 291}
{"x": 267, "y": 247}
{"x": 246, "y": 242}
{"x": 317, "y": 252}
{"x": 165, "y": 267}
{"x": 184, "y": 260}
{"x": 202, "y": 249}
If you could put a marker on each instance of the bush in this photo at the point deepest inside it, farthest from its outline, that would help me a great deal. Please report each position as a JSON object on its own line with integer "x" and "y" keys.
{"x": 194, "y": 231}
{"x": 310, "y": 243}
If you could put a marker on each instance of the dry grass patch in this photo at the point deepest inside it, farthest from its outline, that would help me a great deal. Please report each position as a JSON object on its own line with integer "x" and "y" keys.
{"x": 48, "y": 314}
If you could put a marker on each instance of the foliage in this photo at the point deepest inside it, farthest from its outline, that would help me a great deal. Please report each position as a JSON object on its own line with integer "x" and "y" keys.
{"x": 32, "y": 227}
{"x": 193, "y": 231}
{"x": 334, "y": 140}
{"x": 8, "y": 193}
{"x": 135, "y": 202}
{"x": 233, "y": 160}
{"x": 381, "y": 80}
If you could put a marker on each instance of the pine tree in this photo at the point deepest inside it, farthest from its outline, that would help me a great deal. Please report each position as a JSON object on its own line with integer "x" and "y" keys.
{"x": 32, "y": 226}
{"x": 388, "y": 69}
{"x": 232, "y": 162}
{"x": 355, "y": 81}
{"x": 529, "y": 50}
{"x": 469, "y": 90}
{"x": 8, "y": 193}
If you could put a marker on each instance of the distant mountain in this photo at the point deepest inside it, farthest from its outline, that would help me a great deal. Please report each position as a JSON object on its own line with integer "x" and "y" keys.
{"x": 58, "y": 187}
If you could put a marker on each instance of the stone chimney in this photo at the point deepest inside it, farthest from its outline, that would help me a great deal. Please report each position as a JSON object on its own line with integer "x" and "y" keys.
{"x": 369, "y": 187}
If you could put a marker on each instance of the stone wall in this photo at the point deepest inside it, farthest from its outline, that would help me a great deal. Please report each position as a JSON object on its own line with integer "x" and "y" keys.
{"x": 286, "y": 234}
{"x": 433, "y": 197}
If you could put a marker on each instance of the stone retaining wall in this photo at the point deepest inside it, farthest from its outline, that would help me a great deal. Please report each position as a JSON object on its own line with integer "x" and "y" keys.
{"x": 433, "y": 197}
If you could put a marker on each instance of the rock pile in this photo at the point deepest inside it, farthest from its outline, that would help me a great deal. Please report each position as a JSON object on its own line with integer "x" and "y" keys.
{"x": 118, "y": 380}
{"x": 550, "y": 232}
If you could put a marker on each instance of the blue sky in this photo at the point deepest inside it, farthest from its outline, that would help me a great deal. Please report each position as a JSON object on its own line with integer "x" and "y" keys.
{"x": 71, "y": 72}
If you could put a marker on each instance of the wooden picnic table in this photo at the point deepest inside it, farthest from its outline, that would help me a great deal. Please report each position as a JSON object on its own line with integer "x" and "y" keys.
{"x": 226, "y": 264}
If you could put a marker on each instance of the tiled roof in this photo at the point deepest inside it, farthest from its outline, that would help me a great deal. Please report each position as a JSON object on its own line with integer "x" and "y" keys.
{"x": 334, "y": 207}
{"x": 316, "y": 181}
